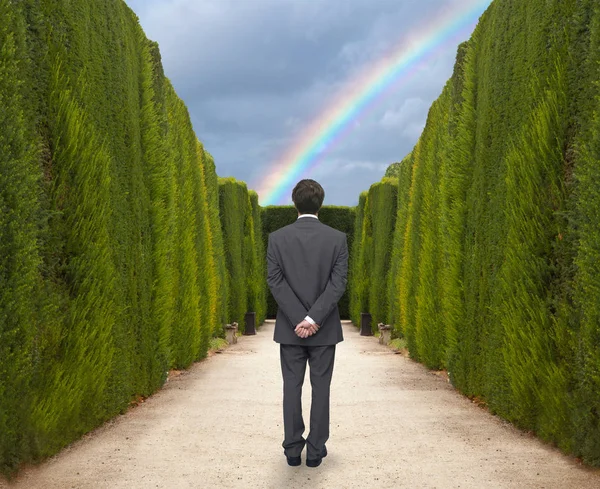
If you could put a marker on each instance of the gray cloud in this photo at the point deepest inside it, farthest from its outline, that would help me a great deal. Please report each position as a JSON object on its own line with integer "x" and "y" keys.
{"x": 256, "y": 73}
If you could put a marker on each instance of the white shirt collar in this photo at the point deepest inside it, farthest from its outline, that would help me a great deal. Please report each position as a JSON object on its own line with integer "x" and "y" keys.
{"x": 308, "y": 215}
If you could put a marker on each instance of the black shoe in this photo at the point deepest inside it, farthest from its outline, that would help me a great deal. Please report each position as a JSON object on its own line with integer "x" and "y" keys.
{"x": 316, "y": 462}
{"x": 294, "y": 461}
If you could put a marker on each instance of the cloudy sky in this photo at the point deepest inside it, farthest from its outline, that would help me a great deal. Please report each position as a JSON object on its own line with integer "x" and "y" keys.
{"x": 255, "y": 74}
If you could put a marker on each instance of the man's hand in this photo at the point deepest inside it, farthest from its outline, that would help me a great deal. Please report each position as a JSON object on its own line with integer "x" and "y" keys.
{"x": 305, "y": 329}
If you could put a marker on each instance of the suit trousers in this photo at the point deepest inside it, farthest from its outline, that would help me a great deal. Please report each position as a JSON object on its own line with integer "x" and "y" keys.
{"x": 293, "y": 368}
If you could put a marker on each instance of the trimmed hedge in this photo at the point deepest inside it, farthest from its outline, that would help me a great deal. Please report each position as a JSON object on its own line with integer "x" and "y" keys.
{"x": 245, "y": 256}
{"x": 277, "y": 216}
{"x": 581, "y": 277}
{"x": 495, "y": 271}
{"x": 358, "y": 268}
{"x": 20, "y": 260}
{"x": 111, "y": 259}
{"x": 371, "y": 255}
{"x": 404, "y": 172}
{"x": 258, "y": 274}
{"x": 216, "y": 231}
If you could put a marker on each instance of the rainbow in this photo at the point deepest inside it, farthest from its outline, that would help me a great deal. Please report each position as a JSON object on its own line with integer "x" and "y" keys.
{"x": 399, "y": 66}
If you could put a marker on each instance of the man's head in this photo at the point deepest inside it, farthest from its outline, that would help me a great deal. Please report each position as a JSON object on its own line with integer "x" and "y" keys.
{"x": 308, "y": 196}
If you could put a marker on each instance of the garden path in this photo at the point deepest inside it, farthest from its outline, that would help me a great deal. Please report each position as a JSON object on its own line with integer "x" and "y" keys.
{"x": 394, "y": 424}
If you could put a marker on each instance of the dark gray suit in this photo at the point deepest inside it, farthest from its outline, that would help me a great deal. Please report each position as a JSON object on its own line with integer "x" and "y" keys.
{"x": 307, "y": 268}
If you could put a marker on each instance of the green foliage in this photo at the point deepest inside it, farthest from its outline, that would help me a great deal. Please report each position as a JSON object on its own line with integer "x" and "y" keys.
{"x": 404, "y": 183}
{"x": 494, "y": 271}
{"x": 76, "y": 383}
{"x": 371, "y": 255}
{"x": 245, "y": 254}
{"x": 234, "y": 210}
{"x": 216, "y": 236}
{"x": 112, "y": 267}
{"x": 338, "y": 217}
{"x": 358, "y": 271}
{"x": 382, "y": 201}
{"x": 19, "y": 260}
{"x": 258, "y": 266}
{"x": 586, "y": 229}
{"x": 394, "y": 170}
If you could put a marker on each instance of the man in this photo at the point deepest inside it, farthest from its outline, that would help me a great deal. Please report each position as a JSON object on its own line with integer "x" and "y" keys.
{"x": 307, "y": 268}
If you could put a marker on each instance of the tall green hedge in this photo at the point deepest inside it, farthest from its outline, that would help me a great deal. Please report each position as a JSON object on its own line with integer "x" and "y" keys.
{"x": 245, "y": 255}
{"x": 358, "y": 269}
{"x": 258, "y": 267}
{"x": 404, "y": 175}
{"x": 20, "y": 260}
{"x": 495, "y": 270}
{"x": 582, "y": 171}
{"x": 111, "y": 262}
{"x": 216, "y": 232}
{"x": 371, "y": 253}
{"x": 277, "y": 216}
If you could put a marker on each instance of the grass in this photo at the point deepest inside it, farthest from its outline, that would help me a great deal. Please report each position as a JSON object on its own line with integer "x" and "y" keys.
{"x": 398, "y": 344}
{"x": 217, "y": 344}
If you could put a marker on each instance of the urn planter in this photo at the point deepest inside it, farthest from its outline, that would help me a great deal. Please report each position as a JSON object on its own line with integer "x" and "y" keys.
{"x": 231, "y": 333}
{"x": 385, "y": 331}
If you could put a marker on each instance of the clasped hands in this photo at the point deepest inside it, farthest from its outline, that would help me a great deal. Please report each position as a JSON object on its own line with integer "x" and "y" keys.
{"x": 306, "y": 329}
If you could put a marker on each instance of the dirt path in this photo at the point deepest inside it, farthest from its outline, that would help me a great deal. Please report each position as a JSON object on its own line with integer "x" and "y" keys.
{"x": 393, "y": 424}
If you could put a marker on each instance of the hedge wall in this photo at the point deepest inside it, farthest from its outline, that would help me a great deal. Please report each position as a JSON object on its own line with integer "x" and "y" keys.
{"x": 495, "y": 270}
{"x": 278, "y": 216}
{"x": 258, "y": 296}
{"x": 404, "y": 175}
{"x": 245, "y": 255}
{"x": 216, "y": 231}
{"x": 111, "y": 260}
{"x": 358, "y": 268}
{"x": 371, "y": 254}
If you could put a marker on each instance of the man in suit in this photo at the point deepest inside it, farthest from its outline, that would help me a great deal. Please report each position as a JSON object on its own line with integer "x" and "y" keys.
{"x": 307, "y": 268}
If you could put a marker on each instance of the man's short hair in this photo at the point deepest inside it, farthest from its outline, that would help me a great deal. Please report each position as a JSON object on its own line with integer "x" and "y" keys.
{"x": 308, "y": 196}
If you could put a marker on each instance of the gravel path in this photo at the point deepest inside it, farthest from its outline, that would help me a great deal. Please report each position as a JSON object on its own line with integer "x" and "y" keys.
{"x": 393, "y": 424}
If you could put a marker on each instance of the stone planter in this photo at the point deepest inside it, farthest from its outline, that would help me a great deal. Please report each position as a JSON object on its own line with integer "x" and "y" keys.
{"x": 385, "y": 331}
{"x": 231, "y": 333}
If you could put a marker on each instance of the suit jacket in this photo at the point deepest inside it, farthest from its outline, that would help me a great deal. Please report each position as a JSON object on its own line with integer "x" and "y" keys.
{"x": 307, "y": 270}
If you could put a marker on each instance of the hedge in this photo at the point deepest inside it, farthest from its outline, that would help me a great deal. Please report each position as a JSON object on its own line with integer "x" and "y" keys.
{"x": 371, "y": 255}
{"x": 258, "y": 299}
{"x": 495, "y": 271}
{"x": 277, "y": 216}
{"x": 111, "y": 259}
{"x": 358, "y": 269}
{"x": 245, "y": 256}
